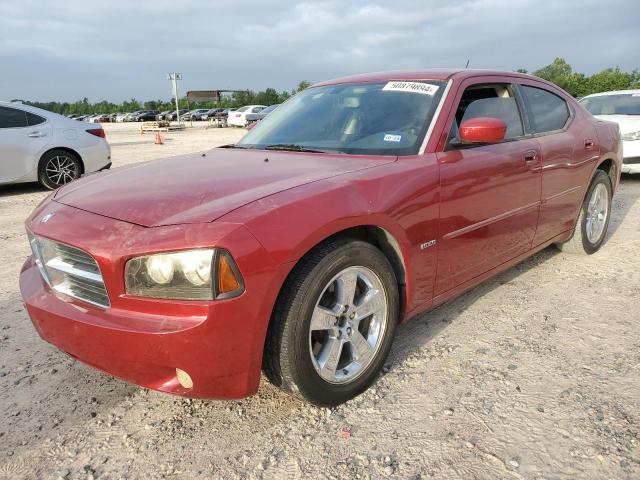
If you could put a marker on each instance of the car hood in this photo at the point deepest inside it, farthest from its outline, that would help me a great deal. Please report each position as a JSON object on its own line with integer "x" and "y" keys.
{"x": 628, "y": 123}
{"x": 202, "y": 187}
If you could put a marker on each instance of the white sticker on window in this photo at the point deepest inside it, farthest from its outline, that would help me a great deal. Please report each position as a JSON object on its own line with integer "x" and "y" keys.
{"x": 412, "y": 87}
{"x": 389, "y": 137}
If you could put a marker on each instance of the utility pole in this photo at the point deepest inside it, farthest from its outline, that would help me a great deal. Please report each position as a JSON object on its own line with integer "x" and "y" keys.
{"x": 174, "y": 77}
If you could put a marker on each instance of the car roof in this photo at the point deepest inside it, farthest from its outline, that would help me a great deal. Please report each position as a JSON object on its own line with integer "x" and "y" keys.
{"x": 29, "y": 108}
{"x": 436, "y": 74}
{"x": 613, "y": 92}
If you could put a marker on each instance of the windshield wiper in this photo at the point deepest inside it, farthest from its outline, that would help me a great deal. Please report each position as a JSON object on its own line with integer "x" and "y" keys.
{"x": 233, "y": 145}
{"x": 292, "y": 147}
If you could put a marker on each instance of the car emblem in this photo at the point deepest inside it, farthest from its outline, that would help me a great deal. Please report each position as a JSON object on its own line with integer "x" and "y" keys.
{"x": 47, "y": 217}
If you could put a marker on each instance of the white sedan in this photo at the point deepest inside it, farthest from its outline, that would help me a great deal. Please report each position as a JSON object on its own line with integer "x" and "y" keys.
{"x": 622, "y": 107}
{"x": 238, "y": 118}
{"x": 41, "y": 146}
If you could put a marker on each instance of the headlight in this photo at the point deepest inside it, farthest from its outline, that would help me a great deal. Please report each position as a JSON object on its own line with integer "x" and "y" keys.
{"x": 631, "y": 136}
{"x": 203, "y": 274}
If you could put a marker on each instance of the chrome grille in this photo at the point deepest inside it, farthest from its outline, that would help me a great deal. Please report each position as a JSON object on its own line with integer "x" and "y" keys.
{"x": 69, "y": 270}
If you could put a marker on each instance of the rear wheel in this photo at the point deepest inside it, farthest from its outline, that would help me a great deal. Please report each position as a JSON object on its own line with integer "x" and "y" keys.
{"x": 593, "y": 220}
{"x": 57, "y": 168}
{"x": 334, "y": 323}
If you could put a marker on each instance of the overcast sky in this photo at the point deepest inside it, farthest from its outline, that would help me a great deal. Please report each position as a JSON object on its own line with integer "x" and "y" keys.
{"x": 119, "y": 49}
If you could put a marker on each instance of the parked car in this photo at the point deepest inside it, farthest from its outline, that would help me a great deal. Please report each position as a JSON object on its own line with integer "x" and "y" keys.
{"x": 146, "y": 116}
{"x": 172, "y": 115}
{"x": 194, "y": 115}
{"x": 212, "y": 114}
{"x": 38, "y": 145}
{"x": 238, "y": 118}
{"x": 120, "y": 117}
{"x": 102, "y": 118}
{"x": 162, "y": 115}
{"x": 358, "y": 204}
{"x": 256, "y": 117}
{"x": 622, "y": 107}
{"x": 130, "y": 117}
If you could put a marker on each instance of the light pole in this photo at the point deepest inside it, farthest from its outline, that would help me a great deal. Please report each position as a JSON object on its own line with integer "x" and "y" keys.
{"x": 174, "y": 77}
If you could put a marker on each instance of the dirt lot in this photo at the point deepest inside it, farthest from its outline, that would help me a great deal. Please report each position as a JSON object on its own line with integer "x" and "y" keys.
{"x": 534, "y": 374}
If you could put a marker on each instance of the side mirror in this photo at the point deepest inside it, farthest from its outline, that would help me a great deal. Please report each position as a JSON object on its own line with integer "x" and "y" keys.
{"x": 483, "y": 130}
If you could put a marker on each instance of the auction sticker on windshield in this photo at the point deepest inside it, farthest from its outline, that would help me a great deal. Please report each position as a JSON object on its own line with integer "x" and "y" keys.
{"x": 412, "y": 87}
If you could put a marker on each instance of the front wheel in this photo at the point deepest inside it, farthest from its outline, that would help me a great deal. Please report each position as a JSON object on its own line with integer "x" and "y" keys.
{"x": 334, "y": 324}
{"x": 593, "y": 219}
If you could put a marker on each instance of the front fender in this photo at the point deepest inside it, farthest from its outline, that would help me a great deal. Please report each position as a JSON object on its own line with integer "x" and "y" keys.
{"x": 400, "y": 198}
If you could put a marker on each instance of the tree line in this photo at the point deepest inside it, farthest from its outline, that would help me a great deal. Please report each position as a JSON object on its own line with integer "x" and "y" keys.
{"x": 579, "y": 84}
{"x": 558, "y": 72}
{"x": 269, "y": 96}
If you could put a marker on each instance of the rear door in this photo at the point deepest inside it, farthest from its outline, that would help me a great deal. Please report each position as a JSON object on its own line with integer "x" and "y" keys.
{"x": 569, "y": 148}
{"x": 23, "y": 135}
{"x": 490, "y": 194}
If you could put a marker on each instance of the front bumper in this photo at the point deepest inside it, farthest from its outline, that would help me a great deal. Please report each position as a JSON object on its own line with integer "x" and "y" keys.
{"x": 631, "y": 160}
{"x": 218, "y": 343}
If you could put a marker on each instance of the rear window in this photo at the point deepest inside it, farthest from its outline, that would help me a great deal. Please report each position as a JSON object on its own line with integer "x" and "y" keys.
{"x": 242, "y": 109}
{"x": 12, "y": 118}
{"x": 34, "y": 119}
{"x": 549, "y": 111}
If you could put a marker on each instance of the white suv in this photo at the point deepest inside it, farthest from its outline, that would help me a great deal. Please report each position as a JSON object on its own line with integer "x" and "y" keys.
{"x": 37, "y": 145}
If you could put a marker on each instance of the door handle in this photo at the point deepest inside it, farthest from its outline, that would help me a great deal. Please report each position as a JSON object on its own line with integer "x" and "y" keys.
{"x": 37, "y": 134}
{"x": 531, "y": 156}
{"x": 589, "y": 144}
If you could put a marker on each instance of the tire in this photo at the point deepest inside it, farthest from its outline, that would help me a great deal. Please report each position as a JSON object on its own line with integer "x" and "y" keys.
{"x": 593, "y": 220}
{"x": 300, "y": 360}
{"x": 57, "y": 168}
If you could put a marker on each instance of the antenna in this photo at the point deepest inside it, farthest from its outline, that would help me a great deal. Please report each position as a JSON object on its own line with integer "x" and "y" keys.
{"x": 467, "y": 65}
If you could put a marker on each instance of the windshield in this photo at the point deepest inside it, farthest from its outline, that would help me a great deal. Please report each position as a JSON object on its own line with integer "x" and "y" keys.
{"x": 389, "y": 118}
{"x": 619, "y": 104}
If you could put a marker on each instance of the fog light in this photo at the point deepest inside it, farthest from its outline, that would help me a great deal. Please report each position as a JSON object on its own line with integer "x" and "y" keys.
{"x": 184, "y": 379}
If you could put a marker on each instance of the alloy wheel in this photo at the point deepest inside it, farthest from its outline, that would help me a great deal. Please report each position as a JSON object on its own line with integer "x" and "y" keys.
{"x": 597, "y": 212}
{"x": 61, "y": 170}
{"x": 348, "y": 324}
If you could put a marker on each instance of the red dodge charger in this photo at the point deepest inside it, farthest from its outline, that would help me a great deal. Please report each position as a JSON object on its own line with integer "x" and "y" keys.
{"x": 354, "y": 206}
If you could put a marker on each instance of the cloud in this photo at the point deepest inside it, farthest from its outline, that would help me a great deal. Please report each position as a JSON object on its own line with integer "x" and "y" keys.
{"x": 121, "y": 49}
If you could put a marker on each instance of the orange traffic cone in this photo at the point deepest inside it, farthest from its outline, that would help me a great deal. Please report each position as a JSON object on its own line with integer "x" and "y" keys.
{"x": 158, "y": 139}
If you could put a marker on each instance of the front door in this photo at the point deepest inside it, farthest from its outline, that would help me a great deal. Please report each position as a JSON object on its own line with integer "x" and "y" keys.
{"x": 489, "y": 194}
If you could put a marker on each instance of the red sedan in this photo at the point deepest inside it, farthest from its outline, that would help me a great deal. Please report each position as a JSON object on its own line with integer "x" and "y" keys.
{"x": 356, "y": 205}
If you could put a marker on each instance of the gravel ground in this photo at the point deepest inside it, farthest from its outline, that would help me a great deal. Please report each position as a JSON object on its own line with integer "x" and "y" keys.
{"x": 534, "y": 374}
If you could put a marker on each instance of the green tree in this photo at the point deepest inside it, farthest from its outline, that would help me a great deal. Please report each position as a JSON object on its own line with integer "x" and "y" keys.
{"x": 560, "y": 73}
{"x": 612, "y": 79}
{"x": 302, "y": 85}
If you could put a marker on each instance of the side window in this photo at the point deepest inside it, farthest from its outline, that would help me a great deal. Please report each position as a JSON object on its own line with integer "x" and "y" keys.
{"x": 12, "y": 118}
{"x": 33, "y": 119}
{"x": 549, "y": 111}
{"x": 489, "y": 100}
{"x": 505, "y": 109}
